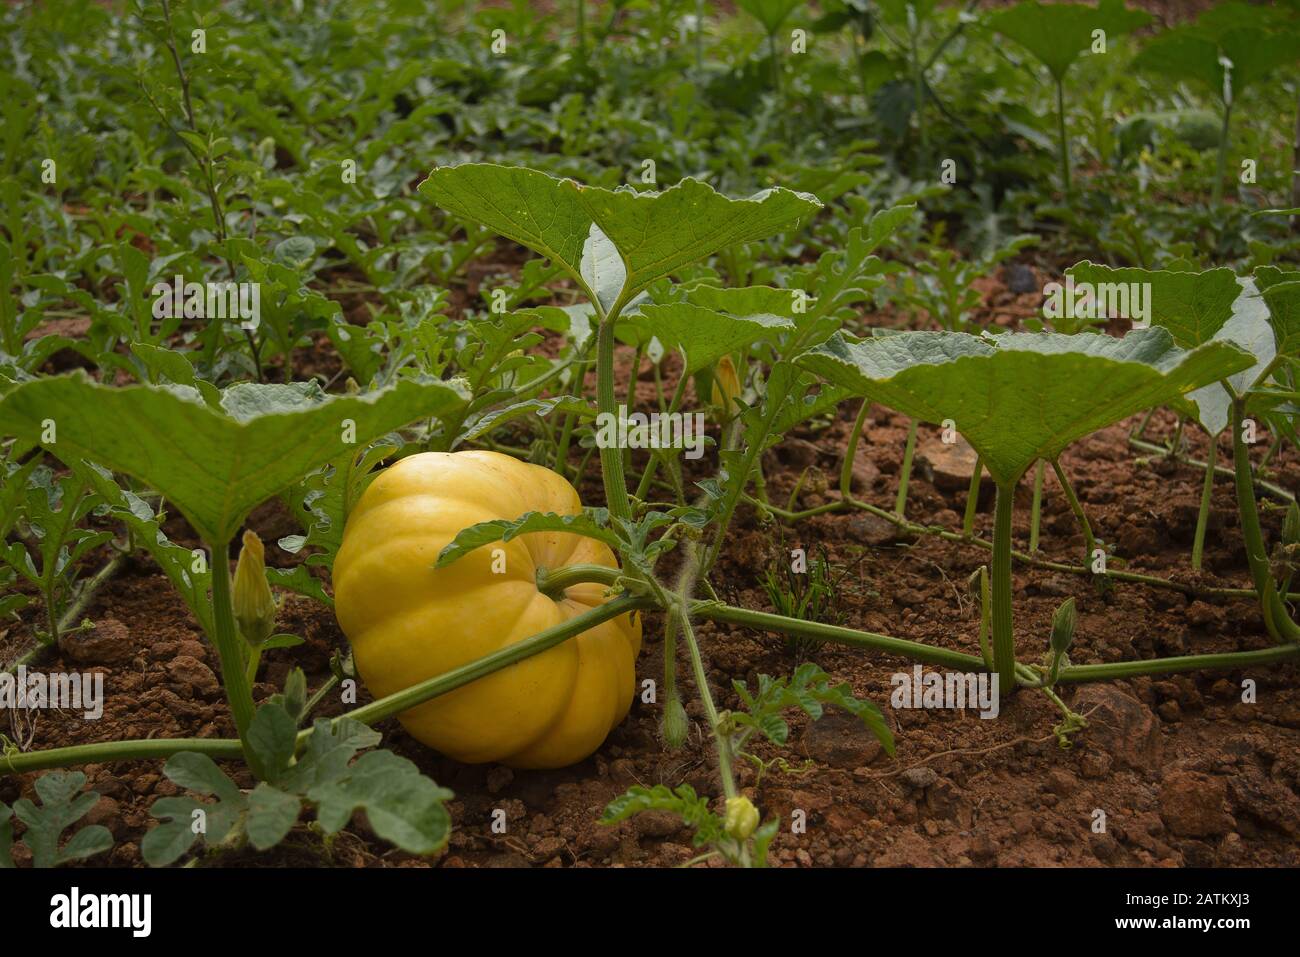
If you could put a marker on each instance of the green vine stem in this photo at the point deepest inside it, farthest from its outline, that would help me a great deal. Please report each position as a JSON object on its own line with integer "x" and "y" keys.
{"x": 1004, "y": 647}
{"x": 1228, "y": 661}
{"x": 643, "y": 487}
{"x": 611, "y": 459}
{"x": 1036, "y": 511}
{"x": 851, "y": 452}
{"x": 1203, "y": 513}
{"x": 367, "y": 714}
{"x": 905, "y": 471}
{"x": 1276, "y": 618}
{"x": 230, "y": 646}
{"x": 766, "y": 621}
{"x": 1271, "y": 488}
{"x": 158, "y": 748}
{"x": 1089, "y": 540}
{"x": 915, "y": 528}
{"x": 973, "y": 499}
{"x": 1062, "y": 139}
{"x": 754, "y": 446}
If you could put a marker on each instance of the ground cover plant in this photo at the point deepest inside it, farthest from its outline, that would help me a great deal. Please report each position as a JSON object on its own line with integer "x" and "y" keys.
{"x": 857, "y": 450}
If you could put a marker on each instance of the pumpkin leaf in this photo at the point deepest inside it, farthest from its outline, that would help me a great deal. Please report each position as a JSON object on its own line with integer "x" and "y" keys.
{"x": 1058, "y": 33}
{"x": 215, "y": 466}
{"x": 1021, "y": 397}
{"x": 1193, "y": 306}
{"x": 653, "y": 233}
{"x": 770, "y": 13}
{"x": 703, "y": 335}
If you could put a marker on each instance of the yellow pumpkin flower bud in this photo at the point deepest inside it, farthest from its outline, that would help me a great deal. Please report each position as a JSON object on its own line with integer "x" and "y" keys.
{"x": 726, "y": 386}
{"x": 741, "y": 819}
{"x": 254, "y": 604}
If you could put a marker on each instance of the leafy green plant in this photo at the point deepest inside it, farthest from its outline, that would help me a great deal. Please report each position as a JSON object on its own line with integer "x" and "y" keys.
{"x": 51, "y": 517}
{"x": 254, "y": 444}
{"x": 1081, "y": 384}
{"x": 736, "y": 835}
{"x": 811, "y": 595}
{"x": 63, "y": 804}
{"x": 771, "y": 14}
{"x": 1228, "y": 48}
{"x": 402, "y": 805}
{"x": 1057, "y": 34}
{"x": 942, "y": 283}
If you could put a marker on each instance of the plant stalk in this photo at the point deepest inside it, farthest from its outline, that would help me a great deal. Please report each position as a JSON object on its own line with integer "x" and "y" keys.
{"x": 611, "y": 459}
{"x": 230, "y": 648}
{"x": 1203, "y": 513}
{"x": 1004, "y": 647}
{"x": 1062, "y": 139}
{"x": 1036, "y": 512}
{"x": 972, "y": 499}
{"x": 905, "y": 471}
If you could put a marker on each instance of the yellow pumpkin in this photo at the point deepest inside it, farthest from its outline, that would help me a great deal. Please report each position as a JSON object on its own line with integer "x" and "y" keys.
{"x": 408, "y": 622}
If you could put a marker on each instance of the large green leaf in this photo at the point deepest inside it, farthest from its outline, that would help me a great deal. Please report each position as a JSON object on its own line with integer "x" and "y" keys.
{"x": 1239, "y": 42}
{"x": 1283, "y": 300}
{"x": 214, "y": 465}
{"x": 1248, "y": 328}
{"x": 1057, "y": 33}
{"x": 770, "y": 13}
{"x": 1020, "y": 397}
{"x": 1196, "y": 308}
{"x": 653, "y": 233}
{"x": 1193, "y": 306}
{"x": 705, "y": 336}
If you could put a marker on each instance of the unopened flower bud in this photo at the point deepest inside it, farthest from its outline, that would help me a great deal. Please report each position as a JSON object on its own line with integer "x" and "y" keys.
{"x": 1291, "y": 526}
{"x": 254, "y": 604}
{"x": 741, "y": 819}
{"x": 726, "y": 386}
{"x": 1063, "y": 626}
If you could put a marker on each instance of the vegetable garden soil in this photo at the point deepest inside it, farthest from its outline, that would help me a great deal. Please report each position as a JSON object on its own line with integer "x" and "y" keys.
{"x": 1186, "y": 773}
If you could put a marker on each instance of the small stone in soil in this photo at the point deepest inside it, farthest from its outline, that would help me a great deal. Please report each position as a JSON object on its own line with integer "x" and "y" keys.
{"x": 107, "y": 643}
{"x": 840, "y": 741}
{"x": 918, "y": 779}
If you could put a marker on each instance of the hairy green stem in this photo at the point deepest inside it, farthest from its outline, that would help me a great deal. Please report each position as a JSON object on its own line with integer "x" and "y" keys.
{"x": 1216, "y": 195}
{"x": 230, "y": 647}
{"x": 1062, "y": 139}
{"x": 972, "y": 498}
{"x": 1203, "y": 513}
{"x": 509, "y": 655}
{"x": 776, "y": 63}
{"x": 851, "y": 452}
{"x": 765, "y": 621}
{"x": 1276, "y": 617}
{"x": 611, "y": 459}
{"x": 1036, "y": 510}
{"x": 1089, "y": 541}
{"x": 1004, "y": 647}
{"x": 1272, "y": 489}
{"x": 643, "y": 487}
{"x": 905, "y": 471}
{"x": 1228, "y": 661}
